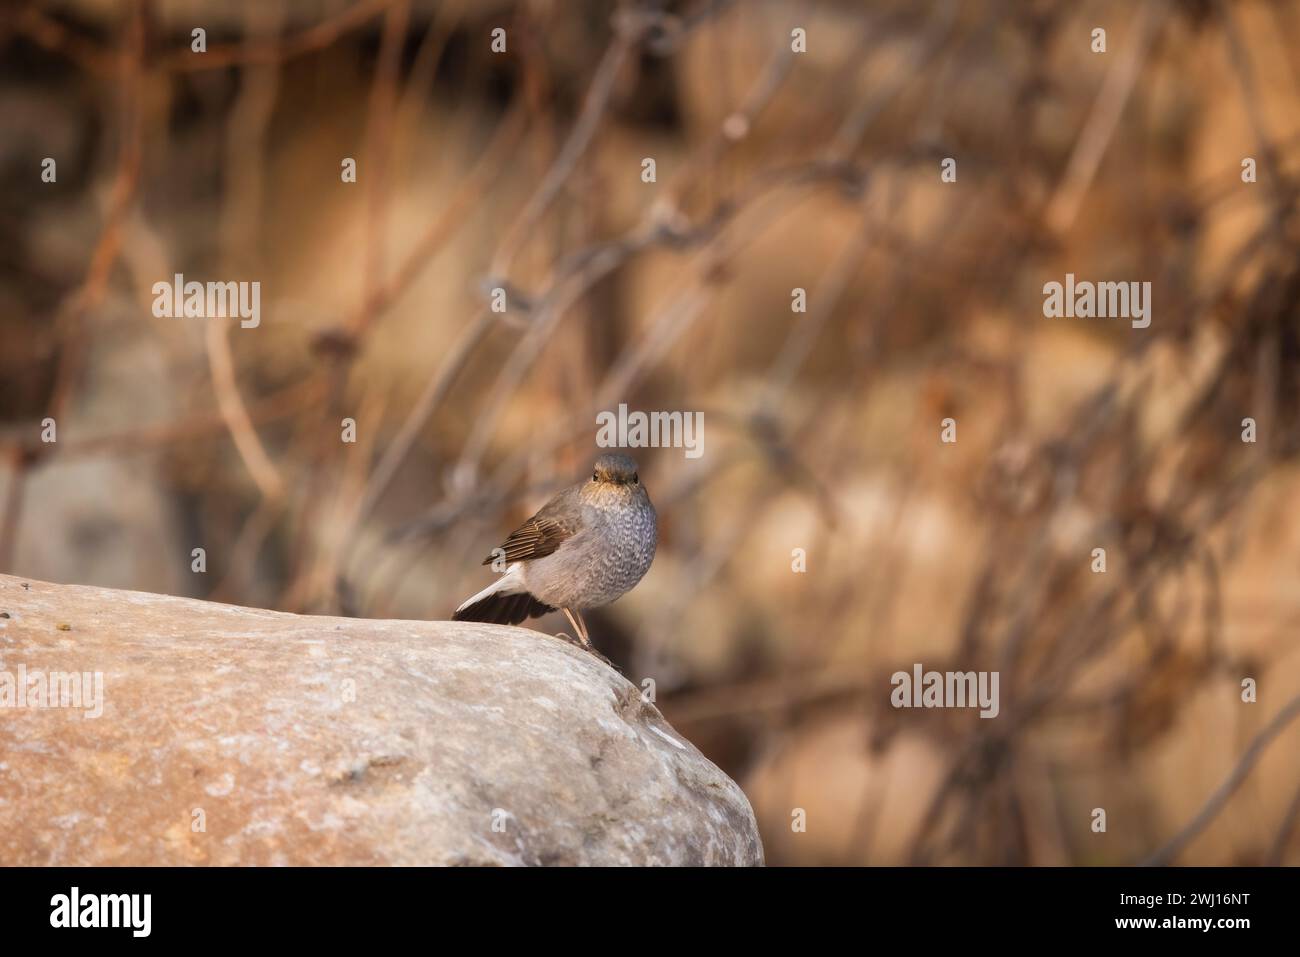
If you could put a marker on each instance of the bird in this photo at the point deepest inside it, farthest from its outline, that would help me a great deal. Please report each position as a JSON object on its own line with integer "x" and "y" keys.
{"x": 586, "y": 547}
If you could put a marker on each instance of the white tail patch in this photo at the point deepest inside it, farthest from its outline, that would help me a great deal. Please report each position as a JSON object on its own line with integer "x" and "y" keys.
{"x": 507, "y": 584}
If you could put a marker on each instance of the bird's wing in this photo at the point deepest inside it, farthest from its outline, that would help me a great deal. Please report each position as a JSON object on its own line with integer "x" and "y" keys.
{"x": 540, "y": 535}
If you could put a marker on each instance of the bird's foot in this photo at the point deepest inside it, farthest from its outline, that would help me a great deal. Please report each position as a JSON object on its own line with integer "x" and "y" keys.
{"x": 570, "y": 639}
{"x": 585, "y": 645}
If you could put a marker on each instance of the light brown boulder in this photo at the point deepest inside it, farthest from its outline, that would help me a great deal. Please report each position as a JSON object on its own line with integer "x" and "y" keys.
{"x": 232, "y": 735}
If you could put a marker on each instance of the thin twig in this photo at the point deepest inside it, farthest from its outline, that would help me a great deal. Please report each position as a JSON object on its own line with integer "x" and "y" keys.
{"x": 1216, "y": 801}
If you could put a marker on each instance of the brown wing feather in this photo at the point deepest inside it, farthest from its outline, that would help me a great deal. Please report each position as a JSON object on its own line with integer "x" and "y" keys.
{"x": 543, "y": 533}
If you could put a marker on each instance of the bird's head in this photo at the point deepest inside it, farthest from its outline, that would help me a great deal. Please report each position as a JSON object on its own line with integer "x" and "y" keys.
{"x": 614, "y": 480}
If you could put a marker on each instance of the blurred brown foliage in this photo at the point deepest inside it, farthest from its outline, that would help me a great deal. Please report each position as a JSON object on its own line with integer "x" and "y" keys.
{"x": 775, "y": 170}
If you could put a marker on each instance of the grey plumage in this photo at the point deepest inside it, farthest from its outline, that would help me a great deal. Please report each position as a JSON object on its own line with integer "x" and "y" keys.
{"x": 586, "y": 547}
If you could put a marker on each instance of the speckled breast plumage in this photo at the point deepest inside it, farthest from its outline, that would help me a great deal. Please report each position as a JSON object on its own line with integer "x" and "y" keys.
{"x": 602, "y": 562}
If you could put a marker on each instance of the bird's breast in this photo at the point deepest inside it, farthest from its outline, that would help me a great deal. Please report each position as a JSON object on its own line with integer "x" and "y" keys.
{"x": 601, "y": 563}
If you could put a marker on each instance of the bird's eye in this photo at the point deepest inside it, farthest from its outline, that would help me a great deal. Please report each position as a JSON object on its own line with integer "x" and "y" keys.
{"x": 636, "y": 479}
{"x": 593, "y": 477}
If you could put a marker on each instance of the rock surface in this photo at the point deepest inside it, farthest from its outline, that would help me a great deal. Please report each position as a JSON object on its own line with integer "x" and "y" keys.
{"x": 240, "y": 736}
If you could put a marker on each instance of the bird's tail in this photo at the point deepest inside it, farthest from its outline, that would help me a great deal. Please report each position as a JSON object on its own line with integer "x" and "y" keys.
{"x": 504, "y": 602}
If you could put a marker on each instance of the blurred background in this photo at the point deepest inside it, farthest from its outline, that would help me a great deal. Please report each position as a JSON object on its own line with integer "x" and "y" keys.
{"x": 775, "y": 170}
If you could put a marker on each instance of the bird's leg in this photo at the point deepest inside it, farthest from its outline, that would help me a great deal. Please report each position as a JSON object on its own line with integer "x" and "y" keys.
{"x": 579, "y": 626}
{"x": 578, "y": 629}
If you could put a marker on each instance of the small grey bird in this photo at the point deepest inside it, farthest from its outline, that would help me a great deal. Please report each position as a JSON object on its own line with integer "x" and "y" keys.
{"x": 586, "y": 547}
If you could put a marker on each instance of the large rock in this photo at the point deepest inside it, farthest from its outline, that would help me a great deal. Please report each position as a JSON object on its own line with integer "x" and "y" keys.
{"x": 239, "y": 736}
